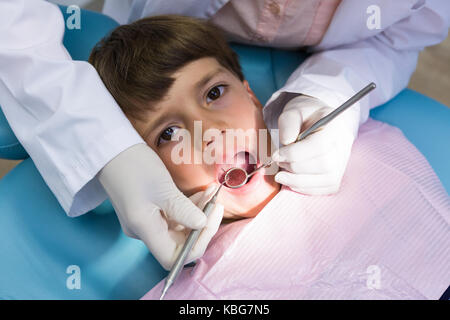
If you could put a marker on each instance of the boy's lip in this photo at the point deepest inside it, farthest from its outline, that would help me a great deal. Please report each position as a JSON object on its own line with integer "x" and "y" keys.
{"x": 221, "y": 169}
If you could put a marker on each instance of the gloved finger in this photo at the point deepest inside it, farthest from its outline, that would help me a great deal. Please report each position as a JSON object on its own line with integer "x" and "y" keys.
{"x": 196, "y": 197}
{"x": 163, "y": 242}
{"x": 309, "y": 148}
{"x": 323, "y": 164}
{"x": 199, "y": 199}
{"x": 175, "y": 226}
{"x": 153, "y": 231}
{"x": 317, "y": 191}
{"x": 213, "y": 224}
{"x": 305, "y": 181}
{"x": 179, "y": 238}
{"x": 206, "y": 195}
{"x": 308, "y": 167}
{"x": 126, "y": 229}
{"x": 289, "y": 125}
{"x": 182, "y": 210}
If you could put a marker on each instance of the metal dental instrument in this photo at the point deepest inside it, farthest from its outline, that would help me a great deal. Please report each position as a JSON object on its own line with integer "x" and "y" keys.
{"x": 236, "y": 177}
{"x": 190, "y": 241}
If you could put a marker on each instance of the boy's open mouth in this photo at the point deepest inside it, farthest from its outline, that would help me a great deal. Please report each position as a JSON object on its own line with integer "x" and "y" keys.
{"x": 244, "y": 160}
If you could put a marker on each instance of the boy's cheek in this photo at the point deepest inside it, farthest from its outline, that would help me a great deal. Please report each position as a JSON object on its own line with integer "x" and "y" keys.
{"x": 190, "y": 179}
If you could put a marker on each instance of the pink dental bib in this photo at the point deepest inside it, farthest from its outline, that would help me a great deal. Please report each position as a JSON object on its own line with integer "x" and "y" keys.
{"x": 385, "y": 235}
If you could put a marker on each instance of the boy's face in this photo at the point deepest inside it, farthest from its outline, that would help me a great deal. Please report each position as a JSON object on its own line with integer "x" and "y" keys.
{"x": 205, "y": 91}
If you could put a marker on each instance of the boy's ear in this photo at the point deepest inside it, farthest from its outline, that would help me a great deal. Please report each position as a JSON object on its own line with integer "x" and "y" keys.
{"x": 252, "y": 94}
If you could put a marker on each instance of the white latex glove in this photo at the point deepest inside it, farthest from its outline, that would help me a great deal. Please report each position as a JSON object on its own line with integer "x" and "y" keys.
{"x": 180, "y": 233}
{"x": 150, "y": 207}
{"x": 315, "y": 165}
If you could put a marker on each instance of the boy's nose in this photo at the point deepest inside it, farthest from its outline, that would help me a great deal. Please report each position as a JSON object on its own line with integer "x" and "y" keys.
{"x": 213, "y": 138}
{"x": 213, "y": 127}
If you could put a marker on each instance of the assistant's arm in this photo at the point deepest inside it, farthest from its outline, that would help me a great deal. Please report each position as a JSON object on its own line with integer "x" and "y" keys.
{"x": 316, "y": 165}
{"x": 58, "y": 108}
{"x": 388, "y": 59}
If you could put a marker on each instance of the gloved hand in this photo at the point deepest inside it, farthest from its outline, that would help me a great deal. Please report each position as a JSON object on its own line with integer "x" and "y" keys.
{"x": 315, "y": 165}
{"x": 150, "y": 207}
{"x": 181, "y": 233}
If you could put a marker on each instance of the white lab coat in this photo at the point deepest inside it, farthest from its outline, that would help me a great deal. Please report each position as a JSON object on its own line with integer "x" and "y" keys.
{"x": 71, "y": 126}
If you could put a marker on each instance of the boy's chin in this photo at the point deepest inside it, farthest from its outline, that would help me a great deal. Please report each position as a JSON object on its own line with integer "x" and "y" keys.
{"x": 251, "y": 210}
{"x": 237, "y": 216}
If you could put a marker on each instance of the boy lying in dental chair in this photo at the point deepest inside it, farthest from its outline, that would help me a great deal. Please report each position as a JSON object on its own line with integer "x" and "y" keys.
{"x": 384, "y": 235}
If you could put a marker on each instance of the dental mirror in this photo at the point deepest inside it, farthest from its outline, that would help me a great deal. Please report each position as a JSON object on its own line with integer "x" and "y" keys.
{"x": 236, "y": 177}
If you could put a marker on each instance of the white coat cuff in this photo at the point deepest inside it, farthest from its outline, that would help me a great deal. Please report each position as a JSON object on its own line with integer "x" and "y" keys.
{"x": 332, "y": 98}
{"x": 79, "y": 190}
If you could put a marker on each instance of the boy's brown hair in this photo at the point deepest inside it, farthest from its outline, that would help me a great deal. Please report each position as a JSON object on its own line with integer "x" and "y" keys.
{"x": 136, "y": 61}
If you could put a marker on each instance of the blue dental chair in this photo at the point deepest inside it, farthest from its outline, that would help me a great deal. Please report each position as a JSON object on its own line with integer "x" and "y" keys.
{"x": 39, "y": 244}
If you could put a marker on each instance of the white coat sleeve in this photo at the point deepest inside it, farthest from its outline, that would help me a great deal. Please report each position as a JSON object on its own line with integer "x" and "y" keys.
{"x": 388, "y": 59}
{"x": 58, "y": 108}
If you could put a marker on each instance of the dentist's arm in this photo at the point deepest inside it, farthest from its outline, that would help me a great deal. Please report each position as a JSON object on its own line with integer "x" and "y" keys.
{"x": 328, "y": 78}
{"x": 58, "y": 108}
{"x": 75, "y": 132}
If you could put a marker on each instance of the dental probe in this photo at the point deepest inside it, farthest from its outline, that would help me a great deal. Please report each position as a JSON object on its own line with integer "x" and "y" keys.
{"x": 190, "y": 241}
{"x": 323, "y": 121}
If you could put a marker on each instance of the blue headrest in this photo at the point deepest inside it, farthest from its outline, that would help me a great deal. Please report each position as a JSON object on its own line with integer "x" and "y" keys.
{"x": 10, "y": 147}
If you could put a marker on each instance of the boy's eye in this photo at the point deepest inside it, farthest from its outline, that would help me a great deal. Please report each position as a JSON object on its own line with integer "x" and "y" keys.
{"x": 167, "y": 134}
{"x": 215, "y": 93}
